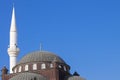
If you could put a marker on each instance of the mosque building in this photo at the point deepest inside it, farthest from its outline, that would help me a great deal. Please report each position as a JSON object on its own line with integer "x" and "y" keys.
{"x": 37, "y": 65}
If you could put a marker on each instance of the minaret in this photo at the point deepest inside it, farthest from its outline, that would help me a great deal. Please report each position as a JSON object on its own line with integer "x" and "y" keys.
{"x": 13, "y": 50}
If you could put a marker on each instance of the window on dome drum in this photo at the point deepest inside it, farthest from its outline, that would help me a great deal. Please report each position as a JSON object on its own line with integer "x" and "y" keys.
{"x": 34, "y": 66}
{"x": 60, "y": 66}
{"x": 65, "y": 68}
{"x": 43, "y": 66}
{"x": 51, "y": 65}
{"x": 15, "y": 70}
{"x": 20, "y": 69}
{"x": 26, "y": 67}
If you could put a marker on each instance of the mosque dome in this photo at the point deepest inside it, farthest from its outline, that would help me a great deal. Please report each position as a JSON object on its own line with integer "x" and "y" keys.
{"x": 28, "y": 76}
{"x": 40, "y": 60}
{"x": 41, "y": 56}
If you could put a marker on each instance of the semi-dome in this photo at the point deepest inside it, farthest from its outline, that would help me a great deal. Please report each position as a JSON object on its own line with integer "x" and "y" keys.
{"x": 28, "y": 76}
{"x": 41, "y": 56}
{"x": 75, "y": 78}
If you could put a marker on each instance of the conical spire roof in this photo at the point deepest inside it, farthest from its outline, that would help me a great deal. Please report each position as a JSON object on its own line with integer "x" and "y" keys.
{"x": 13, "y": 21}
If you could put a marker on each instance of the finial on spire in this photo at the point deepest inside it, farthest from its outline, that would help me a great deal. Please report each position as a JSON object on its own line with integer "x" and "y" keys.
{"x": 13, "y": 4}
{"x": 40, "y": 46}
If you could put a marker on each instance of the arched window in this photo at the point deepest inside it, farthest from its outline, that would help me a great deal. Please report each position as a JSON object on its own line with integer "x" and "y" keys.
{"x": 65, "y": 68}
{"x": 34, "y": 66}
{"x": 26, "y": 67}
{"x": 43, "y": 66}
{"x": 20, "y": 68}
{"x": 51, "y": 65}
{"x": 60, "y": 66}
{"x": 15, "y": 70}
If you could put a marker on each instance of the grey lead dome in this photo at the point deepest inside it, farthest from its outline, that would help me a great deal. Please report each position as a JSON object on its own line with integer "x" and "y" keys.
{"x": 41, "y": 56}
{"x": 28, "y": 76}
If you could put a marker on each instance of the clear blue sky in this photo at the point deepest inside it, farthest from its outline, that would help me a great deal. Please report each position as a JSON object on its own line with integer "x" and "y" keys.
{"x": 85, "y": 33}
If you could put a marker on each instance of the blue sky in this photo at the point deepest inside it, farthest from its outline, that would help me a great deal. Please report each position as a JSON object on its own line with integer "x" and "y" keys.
{"x": 85, "y": 33}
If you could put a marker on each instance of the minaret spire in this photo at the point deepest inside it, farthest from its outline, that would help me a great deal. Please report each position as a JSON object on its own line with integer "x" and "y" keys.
{"x": 13, "y": 21}
{"x": 13, "y": 50}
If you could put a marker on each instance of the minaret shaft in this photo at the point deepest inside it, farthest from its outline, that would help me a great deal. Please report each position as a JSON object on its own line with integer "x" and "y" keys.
{"x": 13, "y": 50}
{"x": 13, "y": 39}
{"x": 12, "y": 62}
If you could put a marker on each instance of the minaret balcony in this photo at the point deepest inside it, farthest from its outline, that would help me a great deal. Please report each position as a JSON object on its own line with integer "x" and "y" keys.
{"x": 13, "y": 51}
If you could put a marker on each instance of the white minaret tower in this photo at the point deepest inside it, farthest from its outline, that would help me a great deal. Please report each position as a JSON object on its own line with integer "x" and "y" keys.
{"x": 13, "y": 50}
